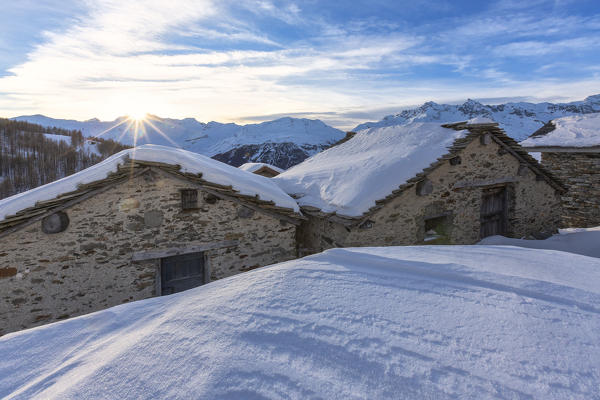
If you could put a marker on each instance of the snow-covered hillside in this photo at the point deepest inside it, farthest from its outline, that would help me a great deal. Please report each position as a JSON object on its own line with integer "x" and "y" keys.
{"x": 282, "y": 142}
{"x": 435, "y": 322}
{"x": 519, "y": 120}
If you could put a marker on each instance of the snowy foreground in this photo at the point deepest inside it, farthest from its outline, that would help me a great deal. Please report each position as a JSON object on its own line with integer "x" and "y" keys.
{"x": 370, "y": 323}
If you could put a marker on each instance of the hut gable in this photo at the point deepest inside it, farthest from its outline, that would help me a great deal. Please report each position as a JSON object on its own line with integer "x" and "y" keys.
{"x": 148, "y": 228}
{"x": 206, "y": 173}
{"x": 480, "y": 183}
{"x": 348, "y": 183}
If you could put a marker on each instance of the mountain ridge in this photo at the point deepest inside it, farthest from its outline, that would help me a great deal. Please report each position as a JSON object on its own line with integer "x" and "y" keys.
{"x": 285, "y": 141}
{"x": 519, "y": 119}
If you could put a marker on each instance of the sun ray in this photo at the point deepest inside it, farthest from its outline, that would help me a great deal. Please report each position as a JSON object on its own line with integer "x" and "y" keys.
{"x": 161, "y": 133}
{"x": 111, "y": 128}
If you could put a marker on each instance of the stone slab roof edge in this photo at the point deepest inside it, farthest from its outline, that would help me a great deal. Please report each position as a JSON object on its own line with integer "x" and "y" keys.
{"x": 131, "y": 169}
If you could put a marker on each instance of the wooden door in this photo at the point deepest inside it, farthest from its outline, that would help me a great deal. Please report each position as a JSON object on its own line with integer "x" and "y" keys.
{"x": 179, "y": 273}
{"x": 494, "y": 212}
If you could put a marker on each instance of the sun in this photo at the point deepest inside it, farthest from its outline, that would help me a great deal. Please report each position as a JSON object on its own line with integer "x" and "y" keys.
{"x": 137, "y": 116}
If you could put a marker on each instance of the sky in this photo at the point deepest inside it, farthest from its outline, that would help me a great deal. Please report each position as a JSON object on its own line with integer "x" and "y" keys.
{"x": 242, "y": 61}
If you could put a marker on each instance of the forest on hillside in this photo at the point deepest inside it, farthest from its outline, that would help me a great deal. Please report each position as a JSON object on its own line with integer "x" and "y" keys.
{"x": 32, "y": 155}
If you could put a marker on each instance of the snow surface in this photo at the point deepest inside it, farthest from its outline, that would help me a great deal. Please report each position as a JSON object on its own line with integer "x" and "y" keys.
{"x": 575, "y": 131}
{"x": 252, "y": 167}
{"x": 430, "y": 322}
{"x": 585, "y": 241}
{"x": 519, "y": 120}
{"x": 349, "y": 177}
{"x": 212, "y": 171}
{"x": 205, "y": 138}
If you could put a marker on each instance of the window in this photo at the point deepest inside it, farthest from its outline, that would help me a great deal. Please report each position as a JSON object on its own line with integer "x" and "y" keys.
{"x": 437, "y": 230}
{"x": 189, "y": 199}
{"x": 182, "y": 272}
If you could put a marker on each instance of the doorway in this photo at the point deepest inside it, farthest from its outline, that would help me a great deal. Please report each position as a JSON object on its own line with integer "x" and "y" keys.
{"x": 494, "y": 212}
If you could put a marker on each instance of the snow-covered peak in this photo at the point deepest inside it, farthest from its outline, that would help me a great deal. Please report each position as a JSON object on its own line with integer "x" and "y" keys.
{"x": 213, "y": 171}
{"x": 573, "y": 131}
{"x": 519, "y": 120}
{"x": 350, "y": 177}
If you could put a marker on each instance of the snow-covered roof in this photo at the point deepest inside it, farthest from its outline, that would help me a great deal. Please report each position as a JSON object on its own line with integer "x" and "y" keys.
{"x": 574, "y": 131}
{"x": 434, "y": 322}
{"x": 350, "y": 177}
{"x": 212, "y": 171}
{"x": 253, "y": 167}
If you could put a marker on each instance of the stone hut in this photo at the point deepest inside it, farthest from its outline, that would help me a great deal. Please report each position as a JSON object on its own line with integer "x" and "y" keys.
{"x": 570, "y": 149}
{"x": 263, "y": 169}
{"x": 422, "y": 184}
{"x": 146, "y": 222}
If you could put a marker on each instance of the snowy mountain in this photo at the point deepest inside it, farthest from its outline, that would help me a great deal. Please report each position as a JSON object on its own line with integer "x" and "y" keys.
{"x": 423, "y": 322}
{"x": 283, "y": 142}
{"x": 519, "y": 120}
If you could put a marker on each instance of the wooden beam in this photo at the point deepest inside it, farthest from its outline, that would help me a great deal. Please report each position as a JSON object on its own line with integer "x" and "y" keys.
{"x": 487, "y": 182}
{"x": 176, "y": 251}
{"x": 70, "y": 203}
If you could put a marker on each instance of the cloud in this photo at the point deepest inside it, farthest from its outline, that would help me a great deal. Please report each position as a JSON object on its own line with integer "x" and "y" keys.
{"x": 257, "y": 58}
{"x": 533, "y": 48}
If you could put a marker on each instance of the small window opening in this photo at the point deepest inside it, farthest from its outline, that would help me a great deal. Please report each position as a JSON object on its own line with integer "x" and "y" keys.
{"x": 368, "y": 224}
{"x": 437, "y": 230}
{"x": 210, "y": 198}
{"x": 189, "y": 199}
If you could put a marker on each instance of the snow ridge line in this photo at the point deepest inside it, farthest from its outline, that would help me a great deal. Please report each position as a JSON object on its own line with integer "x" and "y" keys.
{"x": 376, "y": 263}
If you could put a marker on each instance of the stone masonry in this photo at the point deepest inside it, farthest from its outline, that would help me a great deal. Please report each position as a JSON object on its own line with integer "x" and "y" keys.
{"x": 534, "y": 205}
{"x": 88, "y": 267}
{"x": 581, "y": 173}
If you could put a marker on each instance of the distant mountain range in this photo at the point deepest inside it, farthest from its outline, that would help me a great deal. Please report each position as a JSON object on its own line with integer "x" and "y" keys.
{"x": 283, "y": 142}
{"x": 287, "y": 141}
{"x": 519, "y": 120}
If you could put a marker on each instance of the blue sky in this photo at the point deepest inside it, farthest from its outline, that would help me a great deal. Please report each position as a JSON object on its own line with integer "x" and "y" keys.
{"x": 343, "y": 62}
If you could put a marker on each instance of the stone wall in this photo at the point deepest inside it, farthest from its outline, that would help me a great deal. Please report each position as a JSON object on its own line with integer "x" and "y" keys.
{"x": 88, "y": 267}
{"x": 534, "y": 206}
{"x": 580, "y": 172}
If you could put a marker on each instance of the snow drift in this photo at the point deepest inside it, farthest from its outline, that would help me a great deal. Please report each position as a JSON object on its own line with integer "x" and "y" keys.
{"x": 212, "y": 171}
{"x": 434, "y": 322}
{"x": 585, "y": 241}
